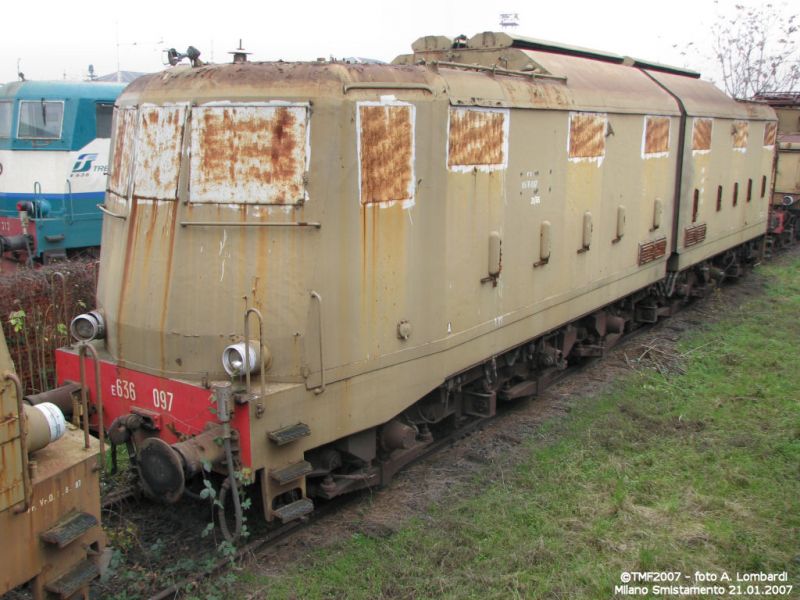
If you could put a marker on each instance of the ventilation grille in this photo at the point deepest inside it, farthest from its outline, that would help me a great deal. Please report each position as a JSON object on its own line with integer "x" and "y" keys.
{"x": 650, "y": 251}
{"x": 694, "y": 235}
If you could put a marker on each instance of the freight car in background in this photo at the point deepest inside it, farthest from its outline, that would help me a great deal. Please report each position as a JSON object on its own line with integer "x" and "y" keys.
{"x": 49, "y": 495}
{"x": 325, "y": 266}
{"x": 785, "y": 218}
{"x": 54, "y": 138}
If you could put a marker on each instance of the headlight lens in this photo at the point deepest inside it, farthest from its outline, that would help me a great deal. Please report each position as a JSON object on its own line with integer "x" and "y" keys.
{"x": 233, "y": 358}
{"x": 88, "y": 326}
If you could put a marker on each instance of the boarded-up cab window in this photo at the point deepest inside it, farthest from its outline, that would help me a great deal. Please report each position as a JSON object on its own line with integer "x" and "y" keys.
{"x": 740, "y": 131}
{"x": 159, "y": 137}
{"x": 587, "y": 135}
{"x": 656, "y": 137}
{"x": 122, "y": 150}
{"x": 385, "y": 134}
{"x": 701, "y": 135}
{"x": 477, "y": 139}
{"x": 249, "y": 154}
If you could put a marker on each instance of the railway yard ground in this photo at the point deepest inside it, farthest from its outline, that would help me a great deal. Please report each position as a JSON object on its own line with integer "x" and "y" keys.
{"x": 679, "y": 452}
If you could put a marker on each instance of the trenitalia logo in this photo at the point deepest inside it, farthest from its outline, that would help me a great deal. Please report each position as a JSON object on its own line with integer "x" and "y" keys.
{"x": 84, "y": 163}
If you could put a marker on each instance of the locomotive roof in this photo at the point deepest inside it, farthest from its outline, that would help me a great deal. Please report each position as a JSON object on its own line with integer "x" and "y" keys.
{"x": 534, "y": 74}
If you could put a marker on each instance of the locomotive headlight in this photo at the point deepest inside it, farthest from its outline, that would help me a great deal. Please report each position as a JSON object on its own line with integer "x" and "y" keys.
{"x": 233, "y": 358}
{"x": 88, "y": 326}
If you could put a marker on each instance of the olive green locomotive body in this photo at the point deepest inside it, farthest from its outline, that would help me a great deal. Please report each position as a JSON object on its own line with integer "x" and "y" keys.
{"x": 397, "y": 227}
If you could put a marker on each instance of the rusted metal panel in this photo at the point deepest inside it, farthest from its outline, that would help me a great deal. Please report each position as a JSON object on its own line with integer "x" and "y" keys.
{"x": 587, "y": 135}
{"x": 159, "y": 137}
{"x": 650, "y": 251}
{"x": 701, "y": 135}
{"x": 770, "y": 134}
{"x": 122, "y": 157}
{"x": 740, "y": 131}
{"x": 694, "y": 235}
{"x": 386, "y": 152}
{"x": 656, "y": 136}
{"x": 249, "y": 154}
{"x": 477, "y": 138}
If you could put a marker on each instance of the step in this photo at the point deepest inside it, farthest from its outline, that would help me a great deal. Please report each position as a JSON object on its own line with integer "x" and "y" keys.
{"x": 286, "y": 435}
{"x": 69, "y": 529}
{"x": 74, "y": 580}
{"x": 295, "y": 510}
{"x": 292, "y": 472}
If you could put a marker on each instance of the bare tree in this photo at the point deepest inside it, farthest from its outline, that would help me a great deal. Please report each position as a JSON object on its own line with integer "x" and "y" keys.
{"x": 757, "y": 49}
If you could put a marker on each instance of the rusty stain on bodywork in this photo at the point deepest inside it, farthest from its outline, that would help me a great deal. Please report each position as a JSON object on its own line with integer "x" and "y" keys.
{"x": 587, "y": 135}
{"x": 386, "y": 152}
{"x": 158, "y": 152}
{"x": 122, "y": 160}
{"x": 477, "y": 137}
{"x": 656, "y": 135}
{"x": 770, "y": 133}
{"x": 249, "y": 154}
{"x": 740, "y": 131}
{"x": 701, "y": 134}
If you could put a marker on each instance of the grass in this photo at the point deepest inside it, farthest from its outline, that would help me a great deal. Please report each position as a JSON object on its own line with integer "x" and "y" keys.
{"x": 687, "y": 472}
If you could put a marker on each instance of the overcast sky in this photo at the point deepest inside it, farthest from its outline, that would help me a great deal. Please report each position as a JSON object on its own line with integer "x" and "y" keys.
{"x": 59, "y": 39}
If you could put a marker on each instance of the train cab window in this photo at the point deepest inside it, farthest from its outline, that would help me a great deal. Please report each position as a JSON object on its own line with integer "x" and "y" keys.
{"x": 719, "y": 198}
{"x": 749, "y": 190}
{"x": 103, "y": 114}
{"x": 5, "y": 119}
{"x": 736, "y": 193}
{"x": 695, "y": 205}
{"x": 40, "y": 119}
{"x": 763, "y": 185}
{"x": 249, "y": 154}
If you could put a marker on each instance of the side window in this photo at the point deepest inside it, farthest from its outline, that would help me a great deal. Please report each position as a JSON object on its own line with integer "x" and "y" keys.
{"x": 5, "y": 119}
{"x": 740, "y": 132}
{"x": 249, "y": 154}
{"x": 656, "y": 137}
{"x": 40, "y": 119}
{"x": 103, "y": 115}
{"x": 701, "y": 135}
{"x": 477, "y": 138}
{"x": 385, "y": 135}
{"x": 770, "y": 133}
{"x": 587, "y": 135}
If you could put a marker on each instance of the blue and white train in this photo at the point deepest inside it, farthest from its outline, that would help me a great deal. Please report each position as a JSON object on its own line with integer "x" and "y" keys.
{"x": 54, "y": 142}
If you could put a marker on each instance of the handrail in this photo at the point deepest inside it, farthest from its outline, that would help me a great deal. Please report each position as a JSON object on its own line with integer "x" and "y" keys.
{"x": 261, "y": 348}
{"x": 250, "y": 224}
{"x": 321, "y": 388}
{"x": 27, "y": 489}
{"x": 387, "y": 85}
{"x": 82, "y": 349}
{"x": 103, "y": 208}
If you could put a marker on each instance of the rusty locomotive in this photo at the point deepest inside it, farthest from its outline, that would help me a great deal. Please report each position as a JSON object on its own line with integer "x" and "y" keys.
{"x": 312, "y": 270}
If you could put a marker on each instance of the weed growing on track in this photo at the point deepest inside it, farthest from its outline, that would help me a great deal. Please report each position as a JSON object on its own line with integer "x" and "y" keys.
{"x": 695, "y": 470}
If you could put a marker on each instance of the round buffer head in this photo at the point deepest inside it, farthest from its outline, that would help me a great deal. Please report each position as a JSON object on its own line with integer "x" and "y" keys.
{"x": 161, "y": 470}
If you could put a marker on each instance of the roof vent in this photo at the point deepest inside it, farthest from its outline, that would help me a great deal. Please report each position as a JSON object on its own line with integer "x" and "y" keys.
{"x": 239, "y": 55}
